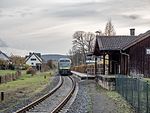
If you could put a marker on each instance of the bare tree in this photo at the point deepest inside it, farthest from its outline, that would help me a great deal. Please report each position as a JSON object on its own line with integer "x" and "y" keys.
{"x": 109, "y": 29}
{"x": 89, "y": 41}
{"x": 82, "y": 44}
{"x": 79, "y": 43}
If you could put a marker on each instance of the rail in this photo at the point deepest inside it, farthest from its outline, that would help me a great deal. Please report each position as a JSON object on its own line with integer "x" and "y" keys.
{"x": 36, "y": 102}
{"x": 66, "y": 99}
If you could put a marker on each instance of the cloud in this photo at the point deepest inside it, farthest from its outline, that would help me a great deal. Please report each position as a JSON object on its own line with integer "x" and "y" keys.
{"x": 40, "y": 24}
{"x": 2, "y": 43}
{"x": 132, "y": 16}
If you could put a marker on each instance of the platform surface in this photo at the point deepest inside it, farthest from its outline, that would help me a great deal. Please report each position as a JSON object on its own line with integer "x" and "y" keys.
{"x": 83, "y": 75}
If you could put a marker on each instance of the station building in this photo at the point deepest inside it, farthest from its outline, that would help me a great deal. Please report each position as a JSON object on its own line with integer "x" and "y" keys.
{"x": 127, "y": 55}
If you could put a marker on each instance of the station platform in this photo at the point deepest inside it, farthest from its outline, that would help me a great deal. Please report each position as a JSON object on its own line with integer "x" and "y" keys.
{"x": 83, "y": 76}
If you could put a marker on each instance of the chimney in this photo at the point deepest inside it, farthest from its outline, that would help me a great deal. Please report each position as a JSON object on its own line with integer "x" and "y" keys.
{"x": 132, "y": 32}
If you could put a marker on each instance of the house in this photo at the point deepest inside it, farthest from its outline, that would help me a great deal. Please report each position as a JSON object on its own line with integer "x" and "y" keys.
{"x": 127, "y": 55}
{"x": 4, "y": 60}
{"x": 3, "y": 56}
{"x": 34, "y": 60}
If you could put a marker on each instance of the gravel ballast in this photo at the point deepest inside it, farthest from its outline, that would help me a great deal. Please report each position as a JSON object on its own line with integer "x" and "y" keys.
{"x": 82, "y": 102}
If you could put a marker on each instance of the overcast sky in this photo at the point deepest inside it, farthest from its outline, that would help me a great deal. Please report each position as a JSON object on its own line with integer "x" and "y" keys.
{"x": 47, "y": 26}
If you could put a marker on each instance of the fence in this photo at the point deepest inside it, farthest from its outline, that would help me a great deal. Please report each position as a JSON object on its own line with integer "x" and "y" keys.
{"x": 136, "y": 91}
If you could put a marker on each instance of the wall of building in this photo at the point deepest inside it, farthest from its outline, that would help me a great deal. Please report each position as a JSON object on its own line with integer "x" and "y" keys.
{"x": 139, "y": 60}
{"x": 33, "y": 62}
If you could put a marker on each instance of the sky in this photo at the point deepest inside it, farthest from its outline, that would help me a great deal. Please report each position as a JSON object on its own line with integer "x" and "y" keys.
{"x": 47, "y": 26}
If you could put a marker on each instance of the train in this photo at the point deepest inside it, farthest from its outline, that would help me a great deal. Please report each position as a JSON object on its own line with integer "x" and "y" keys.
{"x": 64, "y": 66}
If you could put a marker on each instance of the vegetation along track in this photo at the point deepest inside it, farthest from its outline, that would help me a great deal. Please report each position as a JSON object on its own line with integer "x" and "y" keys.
{"x": 49, "y": 102}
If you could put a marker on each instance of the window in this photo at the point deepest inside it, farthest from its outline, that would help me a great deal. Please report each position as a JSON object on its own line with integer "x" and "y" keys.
{"x": 33, "y": 59}
{"x": 64, "y": 60}
{"x": 147, "y": 51}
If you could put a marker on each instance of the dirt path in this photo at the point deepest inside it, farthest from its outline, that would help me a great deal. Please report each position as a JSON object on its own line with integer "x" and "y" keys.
{"x": 101, "y": 103}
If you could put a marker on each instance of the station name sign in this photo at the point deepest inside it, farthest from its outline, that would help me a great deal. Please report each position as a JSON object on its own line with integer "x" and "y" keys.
{"x": 148, "y": 51}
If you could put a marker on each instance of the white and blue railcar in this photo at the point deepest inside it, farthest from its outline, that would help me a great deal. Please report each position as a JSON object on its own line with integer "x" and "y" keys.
{"x": 64, "y": 66}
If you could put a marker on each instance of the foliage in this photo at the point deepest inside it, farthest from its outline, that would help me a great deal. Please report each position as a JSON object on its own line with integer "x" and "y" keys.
{"x": 30, "y": 70}
{"x": 25, "y": 66}
{"x": 17, "y": 61}
{"x": 50, "y": 64}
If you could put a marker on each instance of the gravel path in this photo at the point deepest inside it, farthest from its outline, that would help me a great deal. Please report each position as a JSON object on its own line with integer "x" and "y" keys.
{"x": 90, "y": 99}
{"x": 100, "y": 101}
{"x": 17, "y": 104}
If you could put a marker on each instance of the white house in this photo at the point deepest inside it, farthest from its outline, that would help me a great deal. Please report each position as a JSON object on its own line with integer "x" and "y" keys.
{"x": 34, "y": 60}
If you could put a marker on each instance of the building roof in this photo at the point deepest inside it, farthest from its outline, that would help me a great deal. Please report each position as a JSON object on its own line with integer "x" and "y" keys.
{"x": 37, "y": 55}
{"x": 3, "y": 56}
{"x": 118, "y": 42}
{"x": 114, "y": 42}
{"x": 138, "y": 39}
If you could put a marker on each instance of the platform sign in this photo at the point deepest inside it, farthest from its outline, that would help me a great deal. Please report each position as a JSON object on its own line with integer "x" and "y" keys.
{"x": 148, "y": 51}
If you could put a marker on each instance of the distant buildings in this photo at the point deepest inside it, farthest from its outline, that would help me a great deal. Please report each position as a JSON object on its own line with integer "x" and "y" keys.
{"x": 34, "y": 60}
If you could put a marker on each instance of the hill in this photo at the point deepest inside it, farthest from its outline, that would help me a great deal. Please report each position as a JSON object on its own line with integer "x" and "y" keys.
{"x": 54, "y": 57}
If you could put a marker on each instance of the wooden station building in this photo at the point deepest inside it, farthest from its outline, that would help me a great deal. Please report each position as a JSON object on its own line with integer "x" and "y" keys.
{"x": 127, "y": 55}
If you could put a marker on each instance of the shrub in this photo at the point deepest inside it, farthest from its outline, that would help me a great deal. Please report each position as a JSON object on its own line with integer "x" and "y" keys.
{"x": 25, "y": 66}
{"x": 30, "y": 70}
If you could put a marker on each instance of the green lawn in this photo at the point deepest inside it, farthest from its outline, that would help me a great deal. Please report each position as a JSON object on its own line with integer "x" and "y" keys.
{"x": 4, "y": 72}
{"x": 27, "y": 81}
{"x": 147, "y": 79}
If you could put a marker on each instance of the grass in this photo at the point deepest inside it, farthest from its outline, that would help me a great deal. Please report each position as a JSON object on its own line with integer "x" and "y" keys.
{"x": 122, "y": 105}
{"x": 26, "y": 81}
{"x": 147, "y": 79}
{"x": 25, "y": 87}
{"x": 4, "y": 72}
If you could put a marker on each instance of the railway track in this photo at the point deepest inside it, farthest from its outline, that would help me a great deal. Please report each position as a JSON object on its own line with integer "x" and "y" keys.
{"x": 47, "y": 102}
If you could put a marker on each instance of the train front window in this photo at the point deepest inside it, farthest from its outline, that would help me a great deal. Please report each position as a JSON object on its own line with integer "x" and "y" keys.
{"x": 64, "y": 60}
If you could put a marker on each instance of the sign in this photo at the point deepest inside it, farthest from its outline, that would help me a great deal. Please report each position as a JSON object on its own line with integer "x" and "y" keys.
{"x": 148, "y": 51}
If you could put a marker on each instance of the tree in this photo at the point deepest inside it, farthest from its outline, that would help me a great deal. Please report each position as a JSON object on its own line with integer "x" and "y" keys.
{"x": 82, "y": 44}
{"x": 79, "y": 43}
{"x": 89, "y": 41}
{"x": 17, "y": 61}
{"x": 109, "y": 29}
